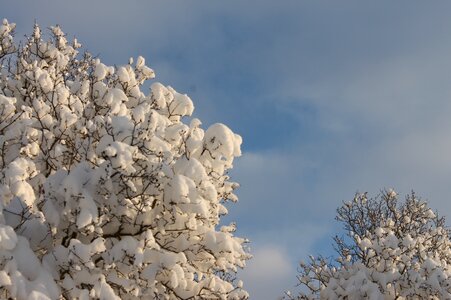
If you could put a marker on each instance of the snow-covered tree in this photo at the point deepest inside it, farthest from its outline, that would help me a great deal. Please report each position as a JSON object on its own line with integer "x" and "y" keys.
{"x": 391, "y": 250}
{"x": 104, "y": 191}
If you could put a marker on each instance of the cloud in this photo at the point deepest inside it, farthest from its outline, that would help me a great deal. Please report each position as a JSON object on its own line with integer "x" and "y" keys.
{"x": 268, "y": 262}
{"x": 388, "y": 124}
{"x": 270, "y": 184}
{"x": 268, "y": 274}
{"x": 278, "y": 204}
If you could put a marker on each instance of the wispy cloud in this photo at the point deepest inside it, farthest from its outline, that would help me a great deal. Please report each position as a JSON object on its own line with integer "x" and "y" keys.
{"x": 268, "y": 273}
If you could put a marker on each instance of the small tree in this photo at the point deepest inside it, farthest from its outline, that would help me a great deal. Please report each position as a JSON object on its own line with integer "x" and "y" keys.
{"x": 104, "y": 191}
{"x": 391, "y": 250}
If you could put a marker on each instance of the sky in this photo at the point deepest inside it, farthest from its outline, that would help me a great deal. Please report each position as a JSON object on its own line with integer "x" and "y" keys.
{"x": 331, "y": 98}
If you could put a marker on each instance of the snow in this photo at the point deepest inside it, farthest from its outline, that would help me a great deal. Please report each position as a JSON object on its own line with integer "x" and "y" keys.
{"x": 101, "y": 71}
{"x": 18, "y": 172}
{"x": 394, "y": 260}
{"x": 105, "y": 191}
{"x": 8, "y": 238}
{"x": 219, "y": 138}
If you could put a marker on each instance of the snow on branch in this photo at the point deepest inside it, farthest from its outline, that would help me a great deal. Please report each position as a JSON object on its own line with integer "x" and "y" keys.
{"x": 391, "y": 250}
{"x": 104, "y": 191}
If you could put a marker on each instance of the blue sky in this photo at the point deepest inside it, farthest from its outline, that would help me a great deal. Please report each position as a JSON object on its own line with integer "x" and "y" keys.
{"x": 331, "y": 97}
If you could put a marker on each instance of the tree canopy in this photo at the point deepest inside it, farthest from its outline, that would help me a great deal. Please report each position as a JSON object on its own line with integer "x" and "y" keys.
{"x": 391, "y": 250}
{"x": 105, "y": 192}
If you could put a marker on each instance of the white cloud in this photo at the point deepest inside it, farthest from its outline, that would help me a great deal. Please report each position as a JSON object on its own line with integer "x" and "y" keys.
{"x": 269, "y": 273}
{"x": 274, "y": 186}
